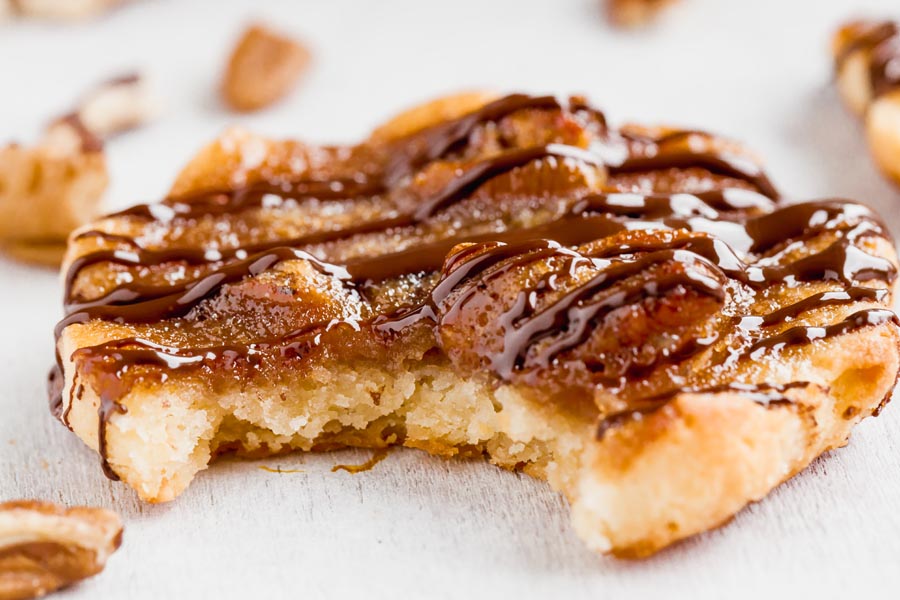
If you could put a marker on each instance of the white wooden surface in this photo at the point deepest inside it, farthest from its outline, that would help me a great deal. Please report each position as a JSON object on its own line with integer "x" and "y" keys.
{"x": 416, "y": 526}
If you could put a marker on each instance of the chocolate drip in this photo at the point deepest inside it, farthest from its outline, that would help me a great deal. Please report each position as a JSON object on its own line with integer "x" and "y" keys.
{"x": 850, "y": 295}
{"x": 569, "y": 230}
{"x": 429, "y": 145}
{"x": 719, "y": 162}
{"x": 473, "y": 178}
{"x": 109, "y": 405}
{"x": 139, "y": 303}
{"x": 806, "y": 334}
{"x": 55, "y": 384}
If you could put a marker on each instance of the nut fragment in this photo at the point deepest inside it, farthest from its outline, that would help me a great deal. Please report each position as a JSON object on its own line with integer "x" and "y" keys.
{"x": 118, "y": 105}
{"x": 44, "y": 547}
{"x": 48, "y": 190}
{"x": 634, "y": 13}
{"x": 62, "y": 9}
{"x": 263, "y": 68}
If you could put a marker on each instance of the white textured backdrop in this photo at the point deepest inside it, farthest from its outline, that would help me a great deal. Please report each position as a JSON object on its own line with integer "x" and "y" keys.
{"x": 416, "y": 526}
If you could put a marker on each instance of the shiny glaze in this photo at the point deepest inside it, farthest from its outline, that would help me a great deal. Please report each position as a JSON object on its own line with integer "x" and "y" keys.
{"x": 729, "y": 227}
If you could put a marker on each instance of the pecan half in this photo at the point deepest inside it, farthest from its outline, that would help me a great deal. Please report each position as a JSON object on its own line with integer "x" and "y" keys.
{"x": 45, "y": 547}
{"x": 263, "y": 68}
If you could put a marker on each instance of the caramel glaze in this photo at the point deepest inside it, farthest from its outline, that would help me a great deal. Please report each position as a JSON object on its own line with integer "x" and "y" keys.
{"x": 881, "y": 40}
{"x": 725, "y": 227}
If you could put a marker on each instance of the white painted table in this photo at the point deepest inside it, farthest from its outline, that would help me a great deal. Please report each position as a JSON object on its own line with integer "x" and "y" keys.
{"x": 415, "y": 526}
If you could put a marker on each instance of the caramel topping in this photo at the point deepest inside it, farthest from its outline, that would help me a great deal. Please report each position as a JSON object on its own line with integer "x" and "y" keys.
{"x": 527, "y": 239}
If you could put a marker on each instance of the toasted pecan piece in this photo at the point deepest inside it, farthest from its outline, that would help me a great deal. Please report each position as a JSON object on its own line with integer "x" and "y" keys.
{"x": 44, "y": 547}
{"x": 263, "y": 68}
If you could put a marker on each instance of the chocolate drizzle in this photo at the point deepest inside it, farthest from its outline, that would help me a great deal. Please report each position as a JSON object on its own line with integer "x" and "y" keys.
{"x": 712, "y": 244}
{"x": 722, "y": 163}
{"x": 806, "y": 334}
{"x": 574, "y": 313}
{"x": 421, "y": 149}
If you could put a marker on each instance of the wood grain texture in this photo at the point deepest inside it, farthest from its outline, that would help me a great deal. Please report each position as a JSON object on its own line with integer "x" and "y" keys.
{"x": 416, "y": 526}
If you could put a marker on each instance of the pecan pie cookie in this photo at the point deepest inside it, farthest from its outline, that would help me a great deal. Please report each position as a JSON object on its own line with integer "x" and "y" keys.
{"x": 867, "y": 64}
{"x": 629, "y": 313}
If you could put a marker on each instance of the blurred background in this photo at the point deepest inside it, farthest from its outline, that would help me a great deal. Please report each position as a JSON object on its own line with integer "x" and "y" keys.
{"x": 759, "y": 71}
